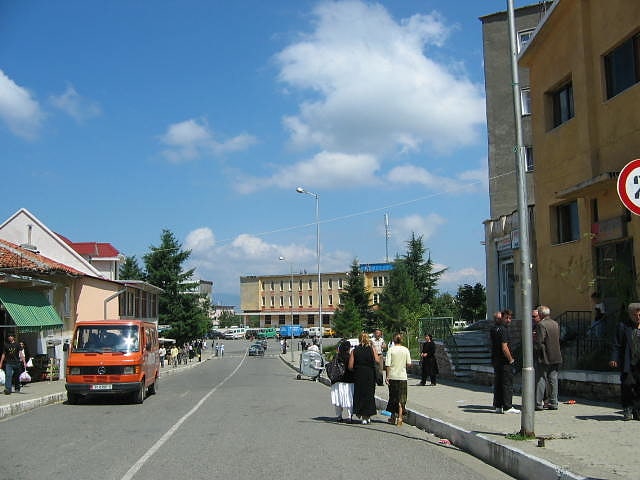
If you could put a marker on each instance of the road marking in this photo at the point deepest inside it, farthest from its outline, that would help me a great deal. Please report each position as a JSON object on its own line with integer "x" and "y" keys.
{"x": 149, "y": 453}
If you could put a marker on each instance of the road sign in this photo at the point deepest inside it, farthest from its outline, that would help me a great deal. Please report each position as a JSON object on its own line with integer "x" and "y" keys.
{"x": 629, "y": 186}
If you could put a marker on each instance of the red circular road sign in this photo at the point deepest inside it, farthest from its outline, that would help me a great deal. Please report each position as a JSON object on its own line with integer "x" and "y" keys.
{"x": 629, "y": 186}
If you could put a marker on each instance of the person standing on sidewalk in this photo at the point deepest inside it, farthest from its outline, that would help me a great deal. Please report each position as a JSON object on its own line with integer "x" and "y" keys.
{"x": 162, "y": 352}
{"x": 380, "y": 347}
{"x": 503, "y": 362}
{"x": 397, "y": 361}
{"x": 362, "y": 361}
{"x": 625, "y": 355}
{"x": 10, "y": 361}
{"x": 549, "y": 357}
{"x": 428, "y": 361}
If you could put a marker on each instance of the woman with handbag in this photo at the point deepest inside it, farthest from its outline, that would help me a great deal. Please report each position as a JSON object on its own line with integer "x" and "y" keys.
{"x": 342, "y": 389}
{"x": 362, "y": 361}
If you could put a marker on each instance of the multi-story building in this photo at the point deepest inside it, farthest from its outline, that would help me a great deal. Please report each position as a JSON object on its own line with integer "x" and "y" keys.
{"x": 584, "y": 72}
{"x": 275, "y": 300}
{"x": 502, "y": 229}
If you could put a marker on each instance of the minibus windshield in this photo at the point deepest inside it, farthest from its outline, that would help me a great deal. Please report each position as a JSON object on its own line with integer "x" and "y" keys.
{"x": 106, "y": 338}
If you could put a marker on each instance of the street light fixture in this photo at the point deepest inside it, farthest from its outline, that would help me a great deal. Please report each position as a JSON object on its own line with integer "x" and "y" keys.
{"x": 290, "y": 302}
{"x": 302, "y": 190}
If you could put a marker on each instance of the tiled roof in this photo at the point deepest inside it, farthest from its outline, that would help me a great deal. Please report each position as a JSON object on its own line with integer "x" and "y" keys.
{"x": 16, "y": 258}
{"x": 92, "y": 249}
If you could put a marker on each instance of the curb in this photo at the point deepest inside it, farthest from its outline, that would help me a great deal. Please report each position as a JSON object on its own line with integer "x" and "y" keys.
{"x": 509, "y": 460}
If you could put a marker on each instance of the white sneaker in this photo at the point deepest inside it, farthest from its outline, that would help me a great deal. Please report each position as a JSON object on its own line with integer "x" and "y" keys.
{"x": 512, "y": 410}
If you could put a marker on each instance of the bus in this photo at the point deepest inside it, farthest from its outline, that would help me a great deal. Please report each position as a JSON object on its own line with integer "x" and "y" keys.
{"x": 235, "y": 333}
{"x": 267, "y": 332}
{"x": 108, "y": 357}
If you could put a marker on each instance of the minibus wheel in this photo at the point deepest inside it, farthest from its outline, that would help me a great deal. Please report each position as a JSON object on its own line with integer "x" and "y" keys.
{"x": 138, "y": 395}
{"x": 72, "y": 398}
{"x": 153, "y": 388}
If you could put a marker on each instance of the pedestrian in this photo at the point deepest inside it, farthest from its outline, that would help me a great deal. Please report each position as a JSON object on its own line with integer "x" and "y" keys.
{"x": 342, "y": 389}
{"x": 362, "y": 361}
{"x": 162, "y": 352}
{"x": 428, "y": 361}
{"x": 174, "y": 355}
{"x": 625, "y": 355}
{"x": 397, "y": 361}
{"x": 284, "y": 345}
{"x": 380, "y": 347}
{"x": 222, "y": 349}
{"x": 503, "y": 363}
{"x": 10, "y": 361}
{"x": 549, "y": 356}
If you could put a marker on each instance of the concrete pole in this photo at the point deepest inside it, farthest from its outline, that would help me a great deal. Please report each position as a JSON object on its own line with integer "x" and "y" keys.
{"x": 528, "y": 374}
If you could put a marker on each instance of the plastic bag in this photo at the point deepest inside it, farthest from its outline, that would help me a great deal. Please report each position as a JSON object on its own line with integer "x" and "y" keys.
{"x": 30, "y": 363}
{"x": 24, "y": 377}
{"x": 1, "y": 377}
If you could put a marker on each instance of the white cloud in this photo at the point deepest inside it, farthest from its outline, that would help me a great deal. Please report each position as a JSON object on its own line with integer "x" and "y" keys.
{"x": 425, "y": 226}
{"x": 469, "y": 180}
{"x": 200, "y": 240}
{"x": 325, "y": 169}
{"x": 75, "y": 105}
{"x": 373, "y": 85}
{"x": 18, "y": 109}
{"x": 192, "y": 139}
{"x": 451, "y": 279}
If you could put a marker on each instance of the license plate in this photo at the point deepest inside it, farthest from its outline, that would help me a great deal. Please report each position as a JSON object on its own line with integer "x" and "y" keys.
{"x": 101, "y": 387}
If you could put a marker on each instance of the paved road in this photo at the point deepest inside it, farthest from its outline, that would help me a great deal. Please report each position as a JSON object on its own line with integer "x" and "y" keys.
{"x": 232, "y": 417}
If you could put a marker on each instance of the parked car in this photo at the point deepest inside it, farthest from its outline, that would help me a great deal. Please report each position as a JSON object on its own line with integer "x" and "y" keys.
{"x": 480, "y": 325}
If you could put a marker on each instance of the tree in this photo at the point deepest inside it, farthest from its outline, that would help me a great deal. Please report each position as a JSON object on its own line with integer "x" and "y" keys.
{"x": 347, "y": 321}
{"x": 130, "y": 270}
{"x": 356, "y": 297}
{"x": 228, "y": 319}
{"x": 399, "y": 297}
{"x": 445, "y": 305}
{"x": 424, "y": 278}
{"x": 178, "y": 306}
{"x": 472, "y": 301}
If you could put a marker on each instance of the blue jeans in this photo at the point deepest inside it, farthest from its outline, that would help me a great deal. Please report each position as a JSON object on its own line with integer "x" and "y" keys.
{"x": 11, "y": 373}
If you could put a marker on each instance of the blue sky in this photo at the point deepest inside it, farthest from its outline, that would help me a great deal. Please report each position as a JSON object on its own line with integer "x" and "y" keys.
{"x": 120, "y": 119}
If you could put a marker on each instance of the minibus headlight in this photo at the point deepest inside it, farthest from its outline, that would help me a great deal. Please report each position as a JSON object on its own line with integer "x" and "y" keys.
{"x": 74, "y": 371}
{"x": 131, "y": 369}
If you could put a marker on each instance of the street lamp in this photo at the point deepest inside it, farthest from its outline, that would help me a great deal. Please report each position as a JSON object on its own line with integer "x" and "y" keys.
{"x": 290, "y": 301}
{"x": 302, "y": 190}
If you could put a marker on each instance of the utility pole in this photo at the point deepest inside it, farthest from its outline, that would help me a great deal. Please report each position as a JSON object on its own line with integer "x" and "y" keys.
{"x": 528, "y": 374}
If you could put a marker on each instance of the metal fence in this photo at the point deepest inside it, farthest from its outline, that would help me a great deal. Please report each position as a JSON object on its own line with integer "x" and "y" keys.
{"x": 585, "y": 347}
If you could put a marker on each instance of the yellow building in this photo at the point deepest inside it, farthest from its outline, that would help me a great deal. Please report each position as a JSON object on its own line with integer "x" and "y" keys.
{"x": 272, "y": 300}
{"x": 584, "y": 73}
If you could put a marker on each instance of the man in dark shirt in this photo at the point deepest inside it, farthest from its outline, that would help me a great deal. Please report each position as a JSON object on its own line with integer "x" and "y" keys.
{"x": 10, "y": 361}
{"x": 502, "y": 361}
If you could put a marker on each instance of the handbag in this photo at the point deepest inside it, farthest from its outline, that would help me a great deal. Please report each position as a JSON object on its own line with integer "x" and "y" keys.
{"x": 335, "y": 370}
{"x": 24, "y": 377}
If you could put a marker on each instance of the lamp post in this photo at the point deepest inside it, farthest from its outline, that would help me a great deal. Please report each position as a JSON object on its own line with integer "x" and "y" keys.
{"x": 302, "y": 190}
{"x": 290, "y": 302}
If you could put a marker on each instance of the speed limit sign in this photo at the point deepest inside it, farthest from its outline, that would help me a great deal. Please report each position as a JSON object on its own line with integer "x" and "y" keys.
{"x": 629, "y": 186}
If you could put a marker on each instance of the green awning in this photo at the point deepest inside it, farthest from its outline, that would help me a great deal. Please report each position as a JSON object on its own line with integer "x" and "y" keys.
{"x": 30, "y": 310}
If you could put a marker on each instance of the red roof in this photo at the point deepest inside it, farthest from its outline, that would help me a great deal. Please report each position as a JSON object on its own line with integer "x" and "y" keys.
{"x": 14, "y": 257}
{"x": 92, "y": 249}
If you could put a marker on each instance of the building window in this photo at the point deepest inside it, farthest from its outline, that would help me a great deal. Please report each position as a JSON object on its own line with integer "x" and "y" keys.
{"x": 528, "y": 158}
{"x": 300, "y": 301}
{"x": 567, "y": 225}
{"x": 330, "y": 283}
{"x": 339, "y": 299}
{"x": 330, "y": 299}
{"x": 272, "y": 302}
{"x": 340, "y": 283}
{"x": 267, "y": 319}
{"x": 622, "y": 66}
{"x": 524, "y": 38}
{"x": 376, "y": 298}
{"x": 66, "y": 306}
{"x": 310, "y": 300}
{"x": 525, "y": 101}
{"x": 272, "y": 286}
{"x": 562, "y": 102}
{"x": 281, "y": 301}
{"x": 310, "y": 285}
{"x": 264, "y": 285}
{"x": 281, "y": 285}
{"x": 263, "y": 302}
{"x": 300, "y": 285}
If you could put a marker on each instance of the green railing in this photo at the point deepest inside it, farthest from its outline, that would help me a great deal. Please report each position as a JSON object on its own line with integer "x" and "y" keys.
{"x": 440, "y": 329}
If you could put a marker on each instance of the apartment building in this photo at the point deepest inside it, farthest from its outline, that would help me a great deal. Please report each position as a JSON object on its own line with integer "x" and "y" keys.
{"x": 273, "y": 300}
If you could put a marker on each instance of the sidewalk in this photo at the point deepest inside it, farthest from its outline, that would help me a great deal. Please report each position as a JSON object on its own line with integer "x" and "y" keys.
{"x": 38, "y": 394}
{"x": 585, "y": 440}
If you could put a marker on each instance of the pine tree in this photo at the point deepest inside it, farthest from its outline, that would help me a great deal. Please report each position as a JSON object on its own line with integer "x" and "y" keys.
{"x": 399, "y": 298}
{"x": 424, "y": 278}
{"x": 347, "y": 321}
{"x": 130, "y": 269}
{"x": 354, "y": 304}
{"x": 178, "y": 305}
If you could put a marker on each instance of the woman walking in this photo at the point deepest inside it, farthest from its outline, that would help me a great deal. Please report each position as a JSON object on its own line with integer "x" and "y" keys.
{"x": 397, "y": 361}
{"x": 362, "y": 361}
{"x": 428, "y": 361}
{"x": 342, "y": 390}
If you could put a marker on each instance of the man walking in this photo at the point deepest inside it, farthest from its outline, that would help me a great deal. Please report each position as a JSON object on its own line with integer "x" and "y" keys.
{"x": 10, "y": 361}
{"x": 549, "y": 358}
{"x": 502, "y": 361}
{"x": 625, "y": 355}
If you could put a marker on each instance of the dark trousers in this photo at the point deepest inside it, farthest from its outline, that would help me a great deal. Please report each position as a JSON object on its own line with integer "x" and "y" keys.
{"x": 428, "y": 371}
{"x": 502, "y": 386}
{"x": 630, "y": 388}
